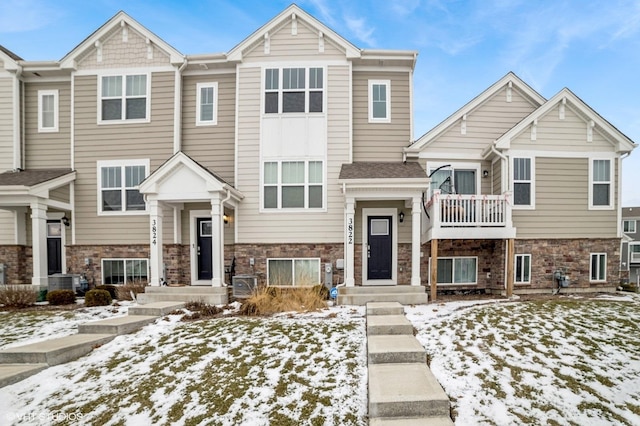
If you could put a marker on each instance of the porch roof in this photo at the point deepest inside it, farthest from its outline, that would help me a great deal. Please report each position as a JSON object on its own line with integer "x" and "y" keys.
{"x": 382, "y": 170}
{"x": 27, "y": 178}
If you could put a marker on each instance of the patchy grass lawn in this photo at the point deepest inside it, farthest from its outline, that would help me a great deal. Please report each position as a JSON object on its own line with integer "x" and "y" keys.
{"x": 559, "y": 362}
{"x": 230, "y": 371}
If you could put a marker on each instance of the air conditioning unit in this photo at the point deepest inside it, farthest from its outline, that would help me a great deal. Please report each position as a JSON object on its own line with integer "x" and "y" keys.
{"x": 244, "y": 285}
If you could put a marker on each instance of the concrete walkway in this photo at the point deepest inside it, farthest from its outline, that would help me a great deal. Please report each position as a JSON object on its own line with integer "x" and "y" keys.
{"x": 20, "y": 362}
{"x": 402, "y": 389}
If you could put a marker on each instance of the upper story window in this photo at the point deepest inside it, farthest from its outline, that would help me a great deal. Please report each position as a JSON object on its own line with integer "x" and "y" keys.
{"x": 290, "y": 90}
{"x": 293, "y": 185}
{"x": 523, "y": 182}
{"x": 124, "y": 98}
{"x": 456, "y": 179}
{"x": 629, "y": 226}
{"x": 118, "y": 186}
{"x": 47, "y": 111}
{"x": 207, "y": 104}
{"x": 379, "y": 101}
{"x": 600, "y": 182}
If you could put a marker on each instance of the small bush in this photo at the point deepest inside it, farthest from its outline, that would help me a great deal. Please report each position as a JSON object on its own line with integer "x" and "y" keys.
{"x": 18, "y": 296}
{"x": 97, "y": 297}
{"x": 123, "y": 292}
{"x": 272, "y": 300}
{"x": 61, "y": 297}
{"x": 200, "y": 309}
{"x": 112, "y": 289}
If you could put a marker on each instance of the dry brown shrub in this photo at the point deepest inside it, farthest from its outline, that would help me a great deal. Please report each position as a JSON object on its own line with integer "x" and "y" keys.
{"x": 273, "y": 300}
{"x": 123, "y": 292}
{"x": 18, "y": 296}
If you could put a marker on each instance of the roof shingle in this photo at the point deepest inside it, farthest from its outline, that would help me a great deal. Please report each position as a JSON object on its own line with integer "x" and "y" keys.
{"x": 30, "y": 177}
{"x": 382, "y": 170}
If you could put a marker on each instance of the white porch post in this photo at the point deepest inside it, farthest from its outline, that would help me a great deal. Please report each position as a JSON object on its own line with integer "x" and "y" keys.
{"x": 416, "y": 215}
{"x": 20, "y": 214}
{"x": 349, "y": 242}
{"x": 155, "y": 228}
{"x": 39, "y": 243}
{"x": 216, "y": 238}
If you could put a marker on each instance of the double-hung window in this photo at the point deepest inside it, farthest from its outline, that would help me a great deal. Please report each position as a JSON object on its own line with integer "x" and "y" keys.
{"x": 118, "y": 186}
{"x": 379, "y": 101}
{"x": 47, "y": 111}
{"x": 600, "y": 179}
{"x": 293, "y": 185}
{"x": 629, "y": 226}
{"x": 598, "y": 267}
{"x": 523, "y": 268}
{"x": 523, "y": 187}
{"x": 124, "y": 97}
{"x": 124, "y": 271}
{"x": 207, "y": 104}
{"x": 457, "y": 270}
{"x": 293, "y": 90}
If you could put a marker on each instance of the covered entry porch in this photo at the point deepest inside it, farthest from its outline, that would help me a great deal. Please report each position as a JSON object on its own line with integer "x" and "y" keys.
{"x": 179, "y": 183}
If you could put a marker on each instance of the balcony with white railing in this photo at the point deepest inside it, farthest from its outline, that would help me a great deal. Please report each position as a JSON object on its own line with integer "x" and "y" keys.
{"x": 634, "y": 257}
{"x": 457, "y": 216}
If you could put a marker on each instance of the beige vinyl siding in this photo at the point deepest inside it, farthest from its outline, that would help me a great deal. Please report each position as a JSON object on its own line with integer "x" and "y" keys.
{"x": 286, "y": 226}
{"x": 496, "y": 177}
{"x": 381, "y": 141}
{"x": 403, "y": 230}
{"x": 554, "y": 134}
{"x": 485, "y": 124}
{"x": 562, "y": 203}
{"x": 7, "y": 227}
{"x": 60, "y": 194}
{"x": 212, "y": 146}
{"x": 95, "y": 142}
{"x": 6, "y": 123}
{"x": 300, "y": 47}
{"x": 229, "y": 229}
{"x": 47, "y": 149}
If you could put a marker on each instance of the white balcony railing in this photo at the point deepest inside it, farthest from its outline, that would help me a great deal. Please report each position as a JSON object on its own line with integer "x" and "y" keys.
{"x": 457, "y": 210}
{"x": 635, "y": 257}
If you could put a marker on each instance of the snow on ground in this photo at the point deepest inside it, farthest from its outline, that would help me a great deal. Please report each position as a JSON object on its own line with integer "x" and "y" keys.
{"x": 565, "y": 361}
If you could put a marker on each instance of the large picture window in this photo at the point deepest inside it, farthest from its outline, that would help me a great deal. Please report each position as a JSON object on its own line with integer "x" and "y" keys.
{"x": 124, "y": 271}
{"x": 291, "y": 90}
{"x": 124, "y": 97}
{"x": 458, "y": 179}
{"x": 600, "y": 194}
{"x": 118, "y": 186}
{"x": 523, "y": 188}
{"x": 598, "y": 267}
{"x": 457, "y": 270}
{"x": 293, "y": 185}
{"x": 293, "y": 272}
{"x": 523, "y": 268}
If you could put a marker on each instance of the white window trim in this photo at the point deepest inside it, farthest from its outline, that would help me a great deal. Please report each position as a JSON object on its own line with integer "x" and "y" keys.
{"x": 612, "y": 188}
{"x": 386, "y": 83}
{"x": 532, "y": 181}
{"x": 121, "y": 259}
{"x": 293, "y": 261}
{"x": 124, "y": 120}
{"x": 431, "y": 166}
{"x": 591, "y": 270}
{"x": 634, "y": 226}
{"x": 306, "y": 185}
{"x": 41, "y": 94}
{"x": 452, "y": 272}
{"x": 119, "y": 163}
{"x": 281, "y": 90}
{"x": 523, "y": 255}
{"x": 199, "y": 87}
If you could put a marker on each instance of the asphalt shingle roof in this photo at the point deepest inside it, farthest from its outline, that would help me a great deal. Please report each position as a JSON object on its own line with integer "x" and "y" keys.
{"x": 382, "y": 170}
{"x": 30, "y": 177}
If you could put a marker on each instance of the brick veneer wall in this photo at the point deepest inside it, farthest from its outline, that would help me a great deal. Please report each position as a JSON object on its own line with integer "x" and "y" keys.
{"x": 18, "y": 263}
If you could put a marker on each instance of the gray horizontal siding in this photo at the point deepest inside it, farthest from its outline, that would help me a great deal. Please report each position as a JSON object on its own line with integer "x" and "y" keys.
{"x": 6, "y": 124}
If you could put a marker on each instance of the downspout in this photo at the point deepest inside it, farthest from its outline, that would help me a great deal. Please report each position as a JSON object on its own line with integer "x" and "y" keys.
{"x": 17, "y": 121}
{"x": 177, "y": 109}
{"x": 619, "y": 209}
{"x": 506, "y": 162}
{"x": 227, "y": 198}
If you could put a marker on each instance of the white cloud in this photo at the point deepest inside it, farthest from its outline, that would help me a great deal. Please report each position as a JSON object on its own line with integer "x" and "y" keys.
{"x": 25, "y": 15}
{"x": 362, "y": 31}
{"x": 403, "y": 8}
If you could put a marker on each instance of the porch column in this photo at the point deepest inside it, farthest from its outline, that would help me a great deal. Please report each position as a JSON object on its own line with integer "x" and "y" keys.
{"x": 156, "y": 260}
{"x": 20, "y": 214}
{"x": 349, "y": 242}
{"x": 510, "y": 262}
{"x": 416, "y": 215}
{"x": 39, "y": 244}
{"x": 434, "y": 269}
{"x": 216, "y": 239}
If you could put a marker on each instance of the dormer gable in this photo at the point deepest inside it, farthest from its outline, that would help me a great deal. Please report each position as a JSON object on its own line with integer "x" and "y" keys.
{"x": 9, "y": 60}
{"x": 106, "y": 47}
{"x": 508, "y": 87}
{"x": 295, "y": 21}
{"x": 563, "y": 105}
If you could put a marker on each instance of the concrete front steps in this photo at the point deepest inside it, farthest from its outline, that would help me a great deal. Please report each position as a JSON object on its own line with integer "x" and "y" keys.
{"x": 205, "y": 294}
{"x": 18, "y": 363}
{"x": 403, "y": 294}
{"x": 402, "y": 389}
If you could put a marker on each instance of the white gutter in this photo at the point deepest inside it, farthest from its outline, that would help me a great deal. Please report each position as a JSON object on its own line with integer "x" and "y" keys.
{"x": 177, "y": 109}
{"x": 505, "y": 174}
{"x": 17, "y": 146}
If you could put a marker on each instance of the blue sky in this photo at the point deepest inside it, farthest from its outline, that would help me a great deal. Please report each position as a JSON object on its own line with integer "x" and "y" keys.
{"x": 464, "y": 46}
